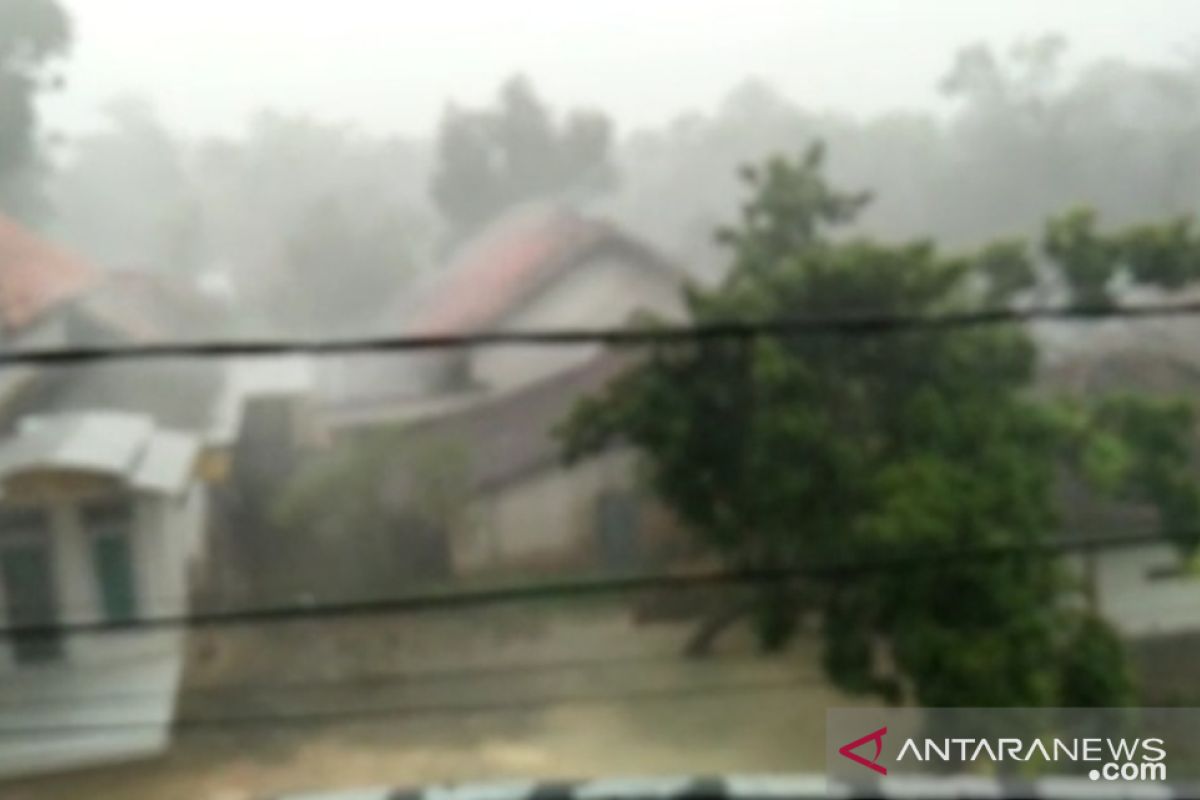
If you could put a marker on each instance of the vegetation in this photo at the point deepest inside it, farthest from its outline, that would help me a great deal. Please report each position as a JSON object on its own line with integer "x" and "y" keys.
{"x": 489, "y": 160}
{"x": 372, "y": 511}
{"x": 810, "y": 450}
{"x": 33, "y": 35}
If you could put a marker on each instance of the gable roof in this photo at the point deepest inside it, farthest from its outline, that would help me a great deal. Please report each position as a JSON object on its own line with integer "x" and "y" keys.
{"x": 510, "y": 262}
{"x": 145, "y": 307}
{"x": 35, "y": 276}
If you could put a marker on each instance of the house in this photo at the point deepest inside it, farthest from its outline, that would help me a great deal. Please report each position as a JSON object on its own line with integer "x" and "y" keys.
{"x": 491, "y": 411}
{"x": 535, "y": 269}
{"x": 106, "y": 476}
{"x": 100, "y": 517}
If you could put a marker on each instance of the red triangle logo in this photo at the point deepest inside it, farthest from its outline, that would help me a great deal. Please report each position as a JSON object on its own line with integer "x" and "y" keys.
{"x": 877, "y": 737}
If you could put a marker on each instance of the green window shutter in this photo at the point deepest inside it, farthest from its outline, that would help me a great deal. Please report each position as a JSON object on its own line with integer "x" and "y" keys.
{"x": 27, "y": 572}
{"x": 111, "y": 528}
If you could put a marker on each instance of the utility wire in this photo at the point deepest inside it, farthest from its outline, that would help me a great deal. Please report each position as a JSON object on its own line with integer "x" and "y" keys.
{"x": 844, "y": 325}
{"x": 602, "y": 586}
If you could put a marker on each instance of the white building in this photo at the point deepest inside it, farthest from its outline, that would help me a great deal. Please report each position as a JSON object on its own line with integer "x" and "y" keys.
{"x": 105, "y": 475}
{"x": 101, "y": 515}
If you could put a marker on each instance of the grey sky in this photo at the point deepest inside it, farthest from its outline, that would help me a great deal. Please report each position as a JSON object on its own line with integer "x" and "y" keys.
{"x": 389, "y": 65}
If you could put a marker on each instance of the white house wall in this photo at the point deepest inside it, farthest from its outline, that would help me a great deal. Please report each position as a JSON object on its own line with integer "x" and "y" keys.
{"x": 602, "y": 293}
{"x": 112, "y": 695}
{"x": 546, "y": 517}
{"x": 105, "y": 710}
{"x": 1139, "y": 605}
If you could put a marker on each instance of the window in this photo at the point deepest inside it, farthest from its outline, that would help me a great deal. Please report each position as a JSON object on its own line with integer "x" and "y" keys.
{"x": 27, "y": 572}
{"x": 111, "y": 526}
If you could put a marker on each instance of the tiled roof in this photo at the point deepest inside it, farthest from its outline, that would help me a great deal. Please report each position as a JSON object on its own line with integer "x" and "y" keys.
{"x": 514, "y": 258}
{"x": 35, "y": 276}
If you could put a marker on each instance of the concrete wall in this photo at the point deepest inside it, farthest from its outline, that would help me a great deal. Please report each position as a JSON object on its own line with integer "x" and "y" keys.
{"x": 603, "y": 293}
{"x": 549, "y": 520}
{"x": 1139, "y": 595}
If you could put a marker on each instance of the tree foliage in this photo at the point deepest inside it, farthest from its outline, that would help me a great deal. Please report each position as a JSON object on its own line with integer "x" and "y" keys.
{"x": 33, "y": 34}
{"x": 807, "y": 450}
{"x": 490, "y": 159}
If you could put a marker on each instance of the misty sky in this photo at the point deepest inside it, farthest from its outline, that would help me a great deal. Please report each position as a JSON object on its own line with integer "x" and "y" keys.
{"x": 389, "y": 65}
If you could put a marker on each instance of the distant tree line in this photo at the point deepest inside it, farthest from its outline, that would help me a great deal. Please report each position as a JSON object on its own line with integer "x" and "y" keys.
{"x": 345, "y": 220}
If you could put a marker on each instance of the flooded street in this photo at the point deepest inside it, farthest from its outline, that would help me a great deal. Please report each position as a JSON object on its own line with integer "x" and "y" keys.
{"x": 506, "y": 694}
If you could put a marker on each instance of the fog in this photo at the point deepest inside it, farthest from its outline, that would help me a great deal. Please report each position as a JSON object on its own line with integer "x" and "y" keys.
{"x": 390, "y": 67}
{"x": 247, "y": 146}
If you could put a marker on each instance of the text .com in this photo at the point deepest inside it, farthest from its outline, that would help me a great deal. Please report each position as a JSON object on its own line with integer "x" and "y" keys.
{"x": 1130, "y": 771}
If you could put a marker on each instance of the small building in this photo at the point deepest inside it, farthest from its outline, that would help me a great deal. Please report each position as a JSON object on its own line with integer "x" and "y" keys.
{"x": 107, "y": 476}
{"x": 101, "y": 515}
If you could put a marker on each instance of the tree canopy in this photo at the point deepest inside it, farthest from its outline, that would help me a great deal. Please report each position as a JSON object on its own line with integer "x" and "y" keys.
{"x": 490, "y": 159}
{"x": 33, "y": 34}
{"x": 156, "y": 220}
{"x": 794, "y": 451}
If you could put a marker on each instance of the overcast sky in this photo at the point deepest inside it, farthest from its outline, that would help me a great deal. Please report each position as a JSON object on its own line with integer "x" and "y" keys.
{"x": 390, "y": 65}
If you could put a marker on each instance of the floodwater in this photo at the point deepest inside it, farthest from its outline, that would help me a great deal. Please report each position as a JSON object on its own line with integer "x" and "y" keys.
{"x": 517, "y": 693}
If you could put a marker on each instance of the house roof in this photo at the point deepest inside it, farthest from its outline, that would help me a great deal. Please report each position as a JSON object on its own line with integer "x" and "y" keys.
{"x": 149, "y": 306}
{"x": 35, "y": 276}
{"x": 512, "y": 436}
{"x": 125, "y": 446}
{"x": 509, "y": 262}
{"x": 125, "y": 307}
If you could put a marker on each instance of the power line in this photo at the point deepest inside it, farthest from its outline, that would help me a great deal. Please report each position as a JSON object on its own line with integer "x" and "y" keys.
{"x": 327, "y": 716}
{"x": 578, "y": 588}
{"x": 842, "y": 325}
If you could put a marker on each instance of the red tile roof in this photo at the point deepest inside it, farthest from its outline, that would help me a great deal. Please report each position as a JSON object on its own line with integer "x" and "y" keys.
{"x": 502, "y": 266}
{"x": 35, "y": 276}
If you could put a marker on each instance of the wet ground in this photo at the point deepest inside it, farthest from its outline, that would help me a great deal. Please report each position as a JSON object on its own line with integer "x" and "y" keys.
{"x": 453, "y": 697}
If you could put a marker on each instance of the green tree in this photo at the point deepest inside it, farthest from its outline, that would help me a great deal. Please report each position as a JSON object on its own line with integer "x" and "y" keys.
{"x": 309, "y": 217}
{"x": 794, "y": 451}
{"x": 33, "y": 35}
{"x": 490, "y": 159}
